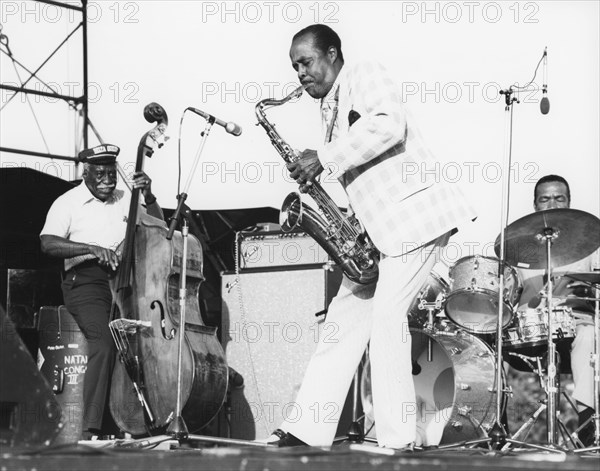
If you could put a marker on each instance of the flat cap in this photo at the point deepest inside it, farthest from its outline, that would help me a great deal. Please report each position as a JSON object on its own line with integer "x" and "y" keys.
{"x": 104, "y": 154}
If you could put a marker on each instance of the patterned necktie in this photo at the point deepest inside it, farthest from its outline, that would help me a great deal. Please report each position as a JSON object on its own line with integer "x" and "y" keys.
{"x": 329, "y": 115}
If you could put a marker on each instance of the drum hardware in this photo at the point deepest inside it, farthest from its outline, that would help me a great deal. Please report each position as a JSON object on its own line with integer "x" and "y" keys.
{"x": 434, "y": 288}
{"x": 567, "y": 235}
{"x": 431, "y": 308}
{"x": 527, "y": 425}
{"x": 538, "y": 370}
{"x": 579, "y": 297}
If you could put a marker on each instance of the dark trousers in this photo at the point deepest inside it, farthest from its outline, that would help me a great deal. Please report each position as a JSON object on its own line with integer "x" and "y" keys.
{"x": 88, "y": 298}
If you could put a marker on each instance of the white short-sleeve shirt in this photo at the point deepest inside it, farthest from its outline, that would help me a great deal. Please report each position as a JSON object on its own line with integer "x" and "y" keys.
{"x": 79, "y": 216}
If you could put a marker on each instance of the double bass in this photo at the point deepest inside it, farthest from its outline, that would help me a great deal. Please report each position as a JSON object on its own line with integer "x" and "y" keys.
{"x": 145, "y": 323}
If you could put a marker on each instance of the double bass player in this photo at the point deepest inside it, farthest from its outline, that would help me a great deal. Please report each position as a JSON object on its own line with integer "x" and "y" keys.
{"x": 84, "y": 227}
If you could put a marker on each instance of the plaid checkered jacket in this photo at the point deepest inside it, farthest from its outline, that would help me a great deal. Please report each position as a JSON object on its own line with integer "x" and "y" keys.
{"x": 386, "y": 171}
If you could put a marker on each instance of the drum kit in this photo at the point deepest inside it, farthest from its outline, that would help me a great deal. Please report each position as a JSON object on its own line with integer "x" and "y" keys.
{"x": 458, "y": 376}
{"x": 454, "y": 327}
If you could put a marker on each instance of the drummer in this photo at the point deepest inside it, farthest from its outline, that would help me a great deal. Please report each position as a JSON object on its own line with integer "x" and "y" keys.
{"x": 552, "y": 191}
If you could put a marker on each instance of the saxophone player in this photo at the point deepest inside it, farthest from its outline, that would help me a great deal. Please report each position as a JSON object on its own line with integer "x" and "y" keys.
{"x": 367, "y": 145}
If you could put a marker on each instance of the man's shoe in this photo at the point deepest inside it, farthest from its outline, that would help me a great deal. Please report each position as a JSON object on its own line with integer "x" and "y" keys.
{"x": 286, "y": 439}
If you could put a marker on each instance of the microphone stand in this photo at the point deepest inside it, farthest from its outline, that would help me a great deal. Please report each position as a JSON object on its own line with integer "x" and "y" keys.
{"x": 497, "y": 436}
{"x": 177, "y": 429}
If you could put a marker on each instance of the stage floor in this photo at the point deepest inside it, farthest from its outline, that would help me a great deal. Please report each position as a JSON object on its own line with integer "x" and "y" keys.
{"x": 170, "y": 455}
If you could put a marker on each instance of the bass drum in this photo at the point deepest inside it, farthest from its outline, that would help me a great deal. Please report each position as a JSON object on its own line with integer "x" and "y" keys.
{"x": 455, "y": 391}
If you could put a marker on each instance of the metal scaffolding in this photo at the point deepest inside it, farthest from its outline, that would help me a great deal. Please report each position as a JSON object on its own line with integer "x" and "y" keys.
{"x": 78, "y": 104}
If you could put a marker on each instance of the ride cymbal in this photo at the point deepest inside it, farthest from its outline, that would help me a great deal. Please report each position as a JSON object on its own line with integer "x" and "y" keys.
{"x": 575, "y": 234}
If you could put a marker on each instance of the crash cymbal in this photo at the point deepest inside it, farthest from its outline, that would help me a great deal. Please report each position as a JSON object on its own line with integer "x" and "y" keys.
{"x": 576, "y": 235}
{"x": 587, "y": 277}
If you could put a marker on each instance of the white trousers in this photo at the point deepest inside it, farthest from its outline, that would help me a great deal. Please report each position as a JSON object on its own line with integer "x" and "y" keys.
{"x": 581, "y": 364}
{"x": 357, "y": 315}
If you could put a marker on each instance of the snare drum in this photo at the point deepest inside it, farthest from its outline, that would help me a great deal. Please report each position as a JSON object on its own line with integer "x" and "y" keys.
{"x": 528, "y": 333}
{"x": 473, "y": 300}
{"x": 434, "y": 287}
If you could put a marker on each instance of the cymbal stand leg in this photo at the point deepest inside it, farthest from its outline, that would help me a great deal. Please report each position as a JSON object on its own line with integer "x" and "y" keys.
{"x": 569, "y": 400}
{"x": 564, "y": 432}
{"x": 526, "y": 425}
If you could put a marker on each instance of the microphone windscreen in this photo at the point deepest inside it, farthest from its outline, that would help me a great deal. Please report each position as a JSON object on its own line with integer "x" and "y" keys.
{"x": 544, "y": 105}
{"x": 233, "y": 128}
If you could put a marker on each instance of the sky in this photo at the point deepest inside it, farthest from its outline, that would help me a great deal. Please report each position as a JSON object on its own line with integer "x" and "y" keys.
{"x": 450, "y": 60}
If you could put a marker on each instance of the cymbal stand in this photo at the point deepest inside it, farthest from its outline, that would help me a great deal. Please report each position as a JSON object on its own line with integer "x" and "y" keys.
{"x": 552, "y": 391}
{"x": 526, "y": 427}
{"x": 551, "y": 387}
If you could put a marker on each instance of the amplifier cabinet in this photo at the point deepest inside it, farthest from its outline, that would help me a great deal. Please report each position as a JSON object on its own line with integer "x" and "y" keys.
{"x": 268, "y": 249}
{"x": 269, "y": 332}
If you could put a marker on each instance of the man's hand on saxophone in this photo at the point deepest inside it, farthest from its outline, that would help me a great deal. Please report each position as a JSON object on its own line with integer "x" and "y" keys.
{"x": 305, "y": 169}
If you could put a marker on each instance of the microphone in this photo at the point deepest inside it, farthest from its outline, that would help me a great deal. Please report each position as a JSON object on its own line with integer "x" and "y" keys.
{"x": 230, "y": 127}
{"x": 544, "y": 102}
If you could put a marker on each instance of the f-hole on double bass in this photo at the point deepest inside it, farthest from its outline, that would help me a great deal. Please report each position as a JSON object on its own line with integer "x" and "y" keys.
{"x": 145, "y": 322}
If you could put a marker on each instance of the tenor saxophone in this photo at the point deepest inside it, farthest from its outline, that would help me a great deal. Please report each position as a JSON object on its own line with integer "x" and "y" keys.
{"x": 341, "y": 236}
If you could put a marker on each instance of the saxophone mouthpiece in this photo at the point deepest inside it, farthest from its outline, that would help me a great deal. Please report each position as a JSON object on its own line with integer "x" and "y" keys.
{"x": 295, "y": 94}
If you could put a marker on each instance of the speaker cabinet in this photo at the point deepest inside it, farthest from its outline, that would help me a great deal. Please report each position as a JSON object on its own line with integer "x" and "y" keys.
{"x": 29, "y": 413}
{"x": 269, "y": 332}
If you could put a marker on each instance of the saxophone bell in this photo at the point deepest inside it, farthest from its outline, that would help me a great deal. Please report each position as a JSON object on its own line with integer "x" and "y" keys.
{"x": 292, "y": 210}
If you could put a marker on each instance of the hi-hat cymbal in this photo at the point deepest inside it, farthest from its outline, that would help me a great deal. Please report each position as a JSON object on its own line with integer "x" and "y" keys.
{"x": 576, "y": 235}
{"x": 592, "y": 277}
